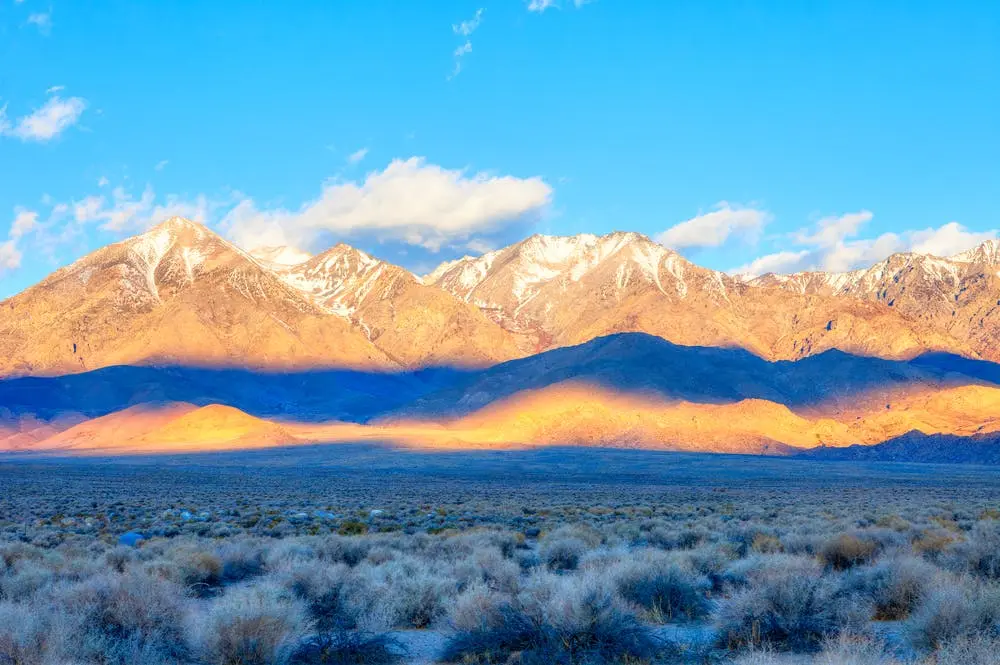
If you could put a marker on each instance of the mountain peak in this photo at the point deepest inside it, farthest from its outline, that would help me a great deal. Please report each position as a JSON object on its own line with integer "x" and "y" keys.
{"x": 987, "y": 252}
{"x": 180, "y": 225}
{"x": 340, "y": 278}
{"x": 180, "y": 222}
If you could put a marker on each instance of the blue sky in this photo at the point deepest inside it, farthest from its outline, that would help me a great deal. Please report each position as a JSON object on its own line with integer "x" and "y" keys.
{"x": 763, "y": 135}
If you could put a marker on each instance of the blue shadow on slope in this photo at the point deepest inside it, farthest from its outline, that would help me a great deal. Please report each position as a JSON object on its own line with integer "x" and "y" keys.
{"x": 625, "y": 362}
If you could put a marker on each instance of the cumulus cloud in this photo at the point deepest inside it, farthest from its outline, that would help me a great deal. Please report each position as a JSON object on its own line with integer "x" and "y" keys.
{"x": 411, "y": 201}
{"x": 830, "y": 246}
{"x": 779, "y": 262}
{"x": 714, "y": 228}
{"x": 10, "y": 256}
{"x": 831, "y": 230}
{"x": 464, "y": 29}
{"x": 45, "y": 123}
{"x": 24, "y": 223}
{"x": 948, "y": 240}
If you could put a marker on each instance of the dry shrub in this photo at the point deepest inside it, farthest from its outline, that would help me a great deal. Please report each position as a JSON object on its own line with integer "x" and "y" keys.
{"x": 765, "y": 543}
{"x": 664, "y": 589}
{"x": 255, "y": 625}
{"x": 954, "y": 609}
{"x": 125, "y": 619}
{"x": 558, "y": 621}
{"x": 848, "y": 550}
{"x": 790, "y": 609}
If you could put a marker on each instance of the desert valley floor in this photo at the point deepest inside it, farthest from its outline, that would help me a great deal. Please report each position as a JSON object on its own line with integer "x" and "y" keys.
{"x": 360, "y": 553}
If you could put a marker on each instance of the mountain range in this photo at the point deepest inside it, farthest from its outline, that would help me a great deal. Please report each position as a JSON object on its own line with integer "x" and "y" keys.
{"x": 152, "y": 342}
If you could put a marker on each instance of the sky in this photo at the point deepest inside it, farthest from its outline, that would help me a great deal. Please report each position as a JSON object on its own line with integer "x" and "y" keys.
{"x": 750, "y": 136}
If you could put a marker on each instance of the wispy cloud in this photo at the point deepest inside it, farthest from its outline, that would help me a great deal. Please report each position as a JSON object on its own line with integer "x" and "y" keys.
{"x": 121, "y": 211}
{"x": 539, "y": 6}
{"x": 356, "y": 156}
{"x": 162, "y": 164}
{"x": 42, "y": 21}
{"x": 464, "y": 29}
{"x": 45, "y": 123}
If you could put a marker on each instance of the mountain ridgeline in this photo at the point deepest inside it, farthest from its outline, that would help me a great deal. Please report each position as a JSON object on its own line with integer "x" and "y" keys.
{"x": 610, "y": 339}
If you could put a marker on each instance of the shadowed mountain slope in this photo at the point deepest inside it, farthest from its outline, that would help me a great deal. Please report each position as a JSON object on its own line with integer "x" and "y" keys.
{"x": 303, "y": 396}
{"x": 646, "y": 364}
{"x": 917, "y": 446}
{"x": 629, "y": 364}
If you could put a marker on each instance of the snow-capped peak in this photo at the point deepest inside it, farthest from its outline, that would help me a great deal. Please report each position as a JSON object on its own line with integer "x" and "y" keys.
{"x": 986, "y": 252}
{"x": 341, "y": 278}
{"x": 509, "y": 278}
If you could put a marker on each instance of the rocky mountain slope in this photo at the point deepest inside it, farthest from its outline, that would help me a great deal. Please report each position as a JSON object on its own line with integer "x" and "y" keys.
{"x": 586, "y": 339}
{"x": 958, "y": 296}
{"x": 413, "y": 324}
{"x": 558, "y": 291}
{"x": 177, "y": 294}
{"x": 180, "y": 294}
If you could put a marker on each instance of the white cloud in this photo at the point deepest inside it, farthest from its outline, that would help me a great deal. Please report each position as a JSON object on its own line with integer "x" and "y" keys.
{"x": 831, "y": 230}
{"x": 714, "y": 228}
{"x": 948, "y": 240}
{"x": 46, "y": 122}
{"x": 123, "y": 212}
{"x": 828, "y": 247}
{"x": 42, "y": 21}
{"x": 539, "y": 6}
{"x": 412, "y": 201}
{"x": 10, "y": 256}
{"x": 162, "y": 164}
{"x": 479, "y": 246}
{"x": 464, "y": 29}
{"x": 357, "y": 156}
{"x": 779, "y": 262}
{"x": 103, "y": 182}
{"x": 23, "y": 223}
{"x": 54, "y": 89}
{"x": 409, "y": 201}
